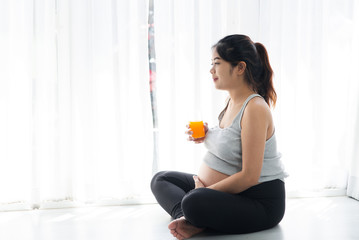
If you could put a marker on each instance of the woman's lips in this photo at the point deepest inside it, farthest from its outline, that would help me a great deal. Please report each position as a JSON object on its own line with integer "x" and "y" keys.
{"x": 215, "y": 79}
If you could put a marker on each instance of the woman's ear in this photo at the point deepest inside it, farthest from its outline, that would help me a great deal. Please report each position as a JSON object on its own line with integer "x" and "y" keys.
{"x": 241, "y": 67}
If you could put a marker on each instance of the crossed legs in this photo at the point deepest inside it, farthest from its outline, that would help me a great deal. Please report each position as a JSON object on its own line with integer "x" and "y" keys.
{"x": 260, "y": 207}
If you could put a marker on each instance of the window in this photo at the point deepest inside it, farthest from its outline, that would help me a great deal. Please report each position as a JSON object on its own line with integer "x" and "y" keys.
{"x": 152, "y": 67}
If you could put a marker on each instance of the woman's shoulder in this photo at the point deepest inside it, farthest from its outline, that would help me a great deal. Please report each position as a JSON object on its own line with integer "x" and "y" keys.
{"x": 258, "y": 109}
{"x": 258, "y": 104}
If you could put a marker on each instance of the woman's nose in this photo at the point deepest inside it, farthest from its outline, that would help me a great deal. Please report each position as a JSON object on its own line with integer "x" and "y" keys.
{"x": 211, "y": 70}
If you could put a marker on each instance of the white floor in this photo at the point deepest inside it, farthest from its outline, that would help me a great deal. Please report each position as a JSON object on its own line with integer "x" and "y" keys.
{"x": 306, "y": 218}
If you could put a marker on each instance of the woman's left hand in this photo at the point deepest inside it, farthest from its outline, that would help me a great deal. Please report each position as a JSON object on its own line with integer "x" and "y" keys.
{"x": 197, "y": 182}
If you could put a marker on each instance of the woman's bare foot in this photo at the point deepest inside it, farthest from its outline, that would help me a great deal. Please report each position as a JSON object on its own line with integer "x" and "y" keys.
{"x": 182, "y": 229}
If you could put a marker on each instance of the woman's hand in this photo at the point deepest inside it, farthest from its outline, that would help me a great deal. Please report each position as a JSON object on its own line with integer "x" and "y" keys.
{"x": 197, "y": 182}
{"x": 196, "y": 140}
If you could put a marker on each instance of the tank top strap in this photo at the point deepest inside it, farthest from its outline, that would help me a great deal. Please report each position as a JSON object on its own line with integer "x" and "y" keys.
{"x": 244, "y": 106}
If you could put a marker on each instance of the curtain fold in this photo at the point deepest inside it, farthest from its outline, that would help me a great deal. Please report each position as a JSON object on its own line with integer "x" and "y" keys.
{"x": 353, "y": 179}
{"x": 353, "y": 153}
{"x": 75, "y": 103}
{"x": 15, "y": 102}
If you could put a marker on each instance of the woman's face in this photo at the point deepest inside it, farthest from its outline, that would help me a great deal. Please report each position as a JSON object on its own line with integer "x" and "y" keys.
{"x": 222, "y": 73}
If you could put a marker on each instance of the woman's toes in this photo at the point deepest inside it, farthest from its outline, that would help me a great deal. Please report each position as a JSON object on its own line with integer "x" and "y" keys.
{"x": 172, "y": 225}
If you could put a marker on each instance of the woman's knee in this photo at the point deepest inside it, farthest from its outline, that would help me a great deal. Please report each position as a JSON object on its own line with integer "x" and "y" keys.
{"x": 197, "y": 198}
{"x": 156, "y": 179}
{"x": 194, "y": 206}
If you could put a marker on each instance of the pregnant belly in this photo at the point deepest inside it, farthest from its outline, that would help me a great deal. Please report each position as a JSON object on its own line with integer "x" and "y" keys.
{"x": 209, "y": 176}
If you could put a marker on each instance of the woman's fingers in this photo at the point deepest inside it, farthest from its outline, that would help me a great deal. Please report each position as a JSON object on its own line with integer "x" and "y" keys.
{"x": 198, "y": 140}
{"x": 197, "y": 182}
{"x": 189, "y": 132}
{"x": 205, "y": 125}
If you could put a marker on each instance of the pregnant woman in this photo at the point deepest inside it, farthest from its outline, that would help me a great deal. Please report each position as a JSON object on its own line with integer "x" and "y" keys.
{"x": 240, "y": 185}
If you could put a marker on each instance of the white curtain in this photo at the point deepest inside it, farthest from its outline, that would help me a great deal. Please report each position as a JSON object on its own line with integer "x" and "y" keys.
{"x": 313, "y": 49}
{"x": 75, "y": 110}
{"x": 353, "y": 181}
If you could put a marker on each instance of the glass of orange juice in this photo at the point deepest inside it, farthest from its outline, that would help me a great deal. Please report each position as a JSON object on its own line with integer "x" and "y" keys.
{"x": 197, "y": 129}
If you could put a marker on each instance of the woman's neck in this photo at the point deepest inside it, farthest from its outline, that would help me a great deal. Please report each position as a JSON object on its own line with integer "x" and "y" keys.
{"x": 240, "y": 95}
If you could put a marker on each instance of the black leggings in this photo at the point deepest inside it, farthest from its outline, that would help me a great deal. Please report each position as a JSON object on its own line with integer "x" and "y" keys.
{"x": 258, "y": 208}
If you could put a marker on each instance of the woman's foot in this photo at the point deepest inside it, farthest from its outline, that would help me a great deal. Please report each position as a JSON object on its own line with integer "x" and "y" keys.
{"x": 182, "y": 229}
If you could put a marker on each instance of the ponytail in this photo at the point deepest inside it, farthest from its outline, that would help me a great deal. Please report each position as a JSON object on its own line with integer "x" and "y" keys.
{"x": 266, "y": 76}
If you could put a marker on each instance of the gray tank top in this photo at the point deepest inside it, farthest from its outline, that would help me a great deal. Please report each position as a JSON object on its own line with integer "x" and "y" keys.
{"x": 225, "y": 150}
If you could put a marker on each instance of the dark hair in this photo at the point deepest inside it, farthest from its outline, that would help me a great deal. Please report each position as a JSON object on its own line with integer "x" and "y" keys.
{"x": 258, "y": 73}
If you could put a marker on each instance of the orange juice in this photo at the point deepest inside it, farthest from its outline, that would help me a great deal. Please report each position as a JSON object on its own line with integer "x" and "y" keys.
{"x": 197, "y": 129}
